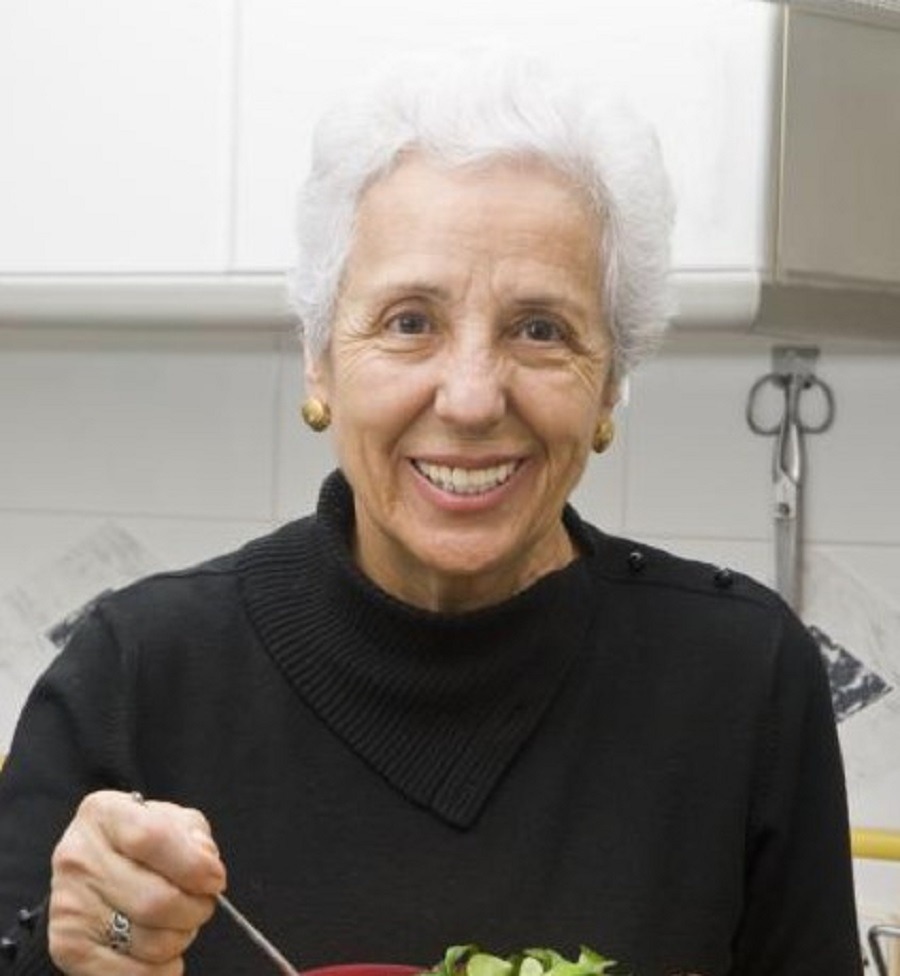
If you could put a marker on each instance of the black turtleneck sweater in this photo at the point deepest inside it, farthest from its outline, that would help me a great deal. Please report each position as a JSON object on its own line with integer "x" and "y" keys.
{"x": 637, "y": 753}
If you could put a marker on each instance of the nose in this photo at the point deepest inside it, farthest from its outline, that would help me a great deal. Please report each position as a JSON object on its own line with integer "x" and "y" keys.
{"x": 471, "y": 390}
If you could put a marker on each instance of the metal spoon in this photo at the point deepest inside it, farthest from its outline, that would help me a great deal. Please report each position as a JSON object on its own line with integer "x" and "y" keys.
{"x": 254, "y": 934}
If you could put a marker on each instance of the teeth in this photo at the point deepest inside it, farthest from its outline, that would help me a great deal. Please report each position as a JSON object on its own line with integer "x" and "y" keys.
{"x": 466, "y": 481}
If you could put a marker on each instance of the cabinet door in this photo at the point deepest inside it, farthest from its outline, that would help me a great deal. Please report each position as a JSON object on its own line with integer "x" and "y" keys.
{"x": 840, "y": 214}
{"x": 701, "y": 69}
{"x": 115, "y": 135}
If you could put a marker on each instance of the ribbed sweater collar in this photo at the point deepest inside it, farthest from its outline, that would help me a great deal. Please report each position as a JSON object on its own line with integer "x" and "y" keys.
{"x": 438, "y": 704}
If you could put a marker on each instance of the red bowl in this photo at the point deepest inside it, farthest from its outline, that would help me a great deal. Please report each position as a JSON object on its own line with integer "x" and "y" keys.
{"x": 365, "y": 969}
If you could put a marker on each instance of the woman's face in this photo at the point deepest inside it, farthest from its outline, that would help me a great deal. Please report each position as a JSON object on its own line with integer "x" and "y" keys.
{"x": 468, "y": 368}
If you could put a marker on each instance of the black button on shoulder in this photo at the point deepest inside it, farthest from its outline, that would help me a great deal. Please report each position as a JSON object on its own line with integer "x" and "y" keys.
{"x": 28, "y": 917}
{"x": 9, "y": 948}
{"x": 723, "y": 578}
{"x": 637, "y": 561}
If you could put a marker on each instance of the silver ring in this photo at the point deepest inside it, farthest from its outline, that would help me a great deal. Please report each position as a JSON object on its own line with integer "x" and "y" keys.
{"x": 118, "y": 932}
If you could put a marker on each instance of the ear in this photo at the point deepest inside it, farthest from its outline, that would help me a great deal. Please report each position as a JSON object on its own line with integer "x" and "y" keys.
{"x": 614, "y": 393}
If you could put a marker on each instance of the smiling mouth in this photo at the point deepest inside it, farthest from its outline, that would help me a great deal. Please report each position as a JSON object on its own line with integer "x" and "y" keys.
{"x": 466, "y": 481}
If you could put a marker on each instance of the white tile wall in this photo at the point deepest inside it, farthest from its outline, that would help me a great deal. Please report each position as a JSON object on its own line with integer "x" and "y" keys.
{"x": 859, "y": 459}
{"x": 878, "y": 565}
{"x": 695, "y": 470}
{"x": 168, "y": 424}
{"x": 192, "y": 442}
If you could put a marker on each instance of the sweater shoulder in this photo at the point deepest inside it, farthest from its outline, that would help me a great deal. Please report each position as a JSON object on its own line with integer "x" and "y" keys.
{"x": 203, "y": 589}
{"x": 717, "y": 629}
{"x": 676, "y": 602}
{"x": 659, "y": 571}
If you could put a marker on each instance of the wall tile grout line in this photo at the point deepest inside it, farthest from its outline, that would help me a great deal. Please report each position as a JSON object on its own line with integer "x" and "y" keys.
{"x": 108, "y": 514}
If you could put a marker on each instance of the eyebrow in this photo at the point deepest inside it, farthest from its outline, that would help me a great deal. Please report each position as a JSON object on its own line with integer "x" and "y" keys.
{"x": 550, "y": 301}
{"x": 413, "y": 286}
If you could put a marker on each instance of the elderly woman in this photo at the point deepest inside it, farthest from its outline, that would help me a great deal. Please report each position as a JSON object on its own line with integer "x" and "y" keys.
{"x": 443, "y": 708}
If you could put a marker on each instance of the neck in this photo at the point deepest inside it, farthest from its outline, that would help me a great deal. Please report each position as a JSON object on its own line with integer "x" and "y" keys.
{"x": 407, "y": 579}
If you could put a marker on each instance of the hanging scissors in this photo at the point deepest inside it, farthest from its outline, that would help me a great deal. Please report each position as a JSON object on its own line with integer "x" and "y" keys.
{"x": 791, "y": 377}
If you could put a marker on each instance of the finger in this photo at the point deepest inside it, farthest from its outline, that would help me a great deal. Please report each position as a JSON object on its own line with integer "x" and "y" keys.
{"x": 81, "y": 949}
{"x": 152, "y": 901}
{"x": 173, "y": 841}
{"x": 79, "y": 917}
{"x": 156, "y": 946}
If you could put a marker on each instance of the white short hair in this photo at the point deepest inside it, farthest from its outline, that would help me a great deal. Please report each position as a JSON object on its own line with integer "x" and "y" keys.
{"x": 472, "y": 107}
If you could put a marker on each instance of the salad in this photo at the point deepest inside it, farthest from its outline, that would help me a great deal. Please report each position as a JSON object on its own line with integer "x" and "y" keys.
{"x": 470, "y": 960}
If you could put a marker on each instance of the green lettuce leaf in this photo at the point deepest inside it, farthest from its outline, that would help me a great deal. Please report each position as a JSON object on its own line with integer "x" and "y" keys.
{"x": 470, "y": 960}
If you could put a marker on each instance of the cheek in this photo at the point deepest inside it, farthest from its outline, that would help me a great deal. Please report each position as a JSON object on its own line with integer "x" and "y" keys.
{"x": 565, "y": 408}
{"x": 373, "y": 380}
{"x": 376, "y": 406}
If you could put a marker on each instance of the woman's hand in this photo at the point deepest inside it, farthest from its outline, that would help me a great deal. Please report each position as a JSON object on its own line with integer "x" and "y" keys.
{"x": 132, "y": 883}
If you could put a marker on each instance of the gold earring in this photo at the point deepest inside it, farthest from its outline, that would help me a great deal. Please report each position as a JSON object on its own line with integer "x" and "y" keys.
{"x": 316, "y": 414}
{"x": 604, "y": 435}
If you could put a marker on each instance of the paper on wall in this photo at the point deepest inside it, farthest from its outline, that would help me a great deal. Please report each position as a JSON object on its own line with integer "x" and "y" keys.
{"x": 858, "y": 633}
{"x": 37, "y": 616}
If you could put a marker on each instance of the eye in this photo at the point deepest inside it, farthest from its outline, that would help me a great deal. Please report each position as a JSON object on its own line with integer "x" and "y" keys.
{"x": 409, "y": 323}
{"x": 540, "y": 329}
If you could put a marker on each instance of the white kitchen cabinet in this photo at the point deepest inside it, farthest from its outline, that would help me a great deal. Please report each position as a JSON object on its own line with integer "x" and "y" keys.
{"x": 839, "y": 219}
{"x": 835, "y": 270}
{"x": 151, "y": 152}
{"x": 115, "y": 135}
{"x": 703, "y": 70}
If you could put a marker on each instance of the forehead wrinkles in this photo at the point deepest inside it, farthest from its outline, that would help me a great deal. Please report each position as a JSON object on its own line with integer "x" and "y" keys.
{"x": 448, "y": 263}
{"x": 423, "y": 228}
